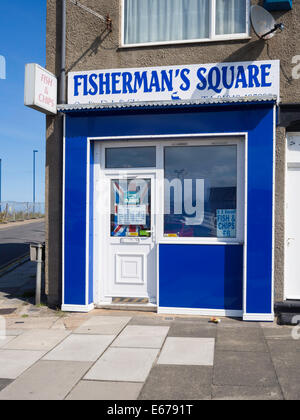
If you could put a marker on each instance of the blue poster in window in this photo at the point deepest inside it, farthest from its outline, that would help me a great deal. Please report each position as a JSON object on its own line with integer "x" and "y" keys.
{"x": 226, "y": 223}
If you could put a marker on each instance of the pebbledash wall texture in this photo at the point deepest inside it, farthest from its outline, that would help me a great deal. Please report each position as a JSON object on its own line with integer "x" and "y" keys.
{"x": 91, "y": 46}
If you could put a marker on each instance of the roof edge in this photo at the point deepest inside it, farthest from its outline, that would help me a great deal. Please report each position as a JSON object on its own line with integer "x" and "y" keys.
{"x": 166, "y": 104}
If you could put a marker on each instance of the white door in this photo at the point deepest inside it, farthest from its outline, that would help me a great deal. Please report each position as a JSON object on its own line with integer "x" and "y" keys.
{"x": 128, "y": 237}
{"x": 292, "y": 257}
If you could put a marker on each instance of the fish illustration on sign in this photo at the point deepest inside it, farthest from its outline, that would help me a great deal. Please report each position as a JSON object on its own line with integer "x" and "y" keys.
{"x": 175, "y": 96}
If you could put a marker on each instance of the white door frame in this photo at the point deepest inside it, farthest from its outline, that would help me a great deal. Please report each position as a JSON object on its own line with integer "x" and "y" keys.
{"x": 132, "y": 243}
{"x": 102, "y": 176}
{"x": 291, "y": 160}
{"x": 160, "y": 141}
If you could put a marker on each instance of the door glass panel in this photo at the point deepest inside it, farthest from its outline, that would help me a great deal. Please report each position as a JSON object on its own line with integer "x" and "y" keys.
{"x": 200, "y": 191}
{"x": 131, "y": 207}
{"x": 130, "y": 157}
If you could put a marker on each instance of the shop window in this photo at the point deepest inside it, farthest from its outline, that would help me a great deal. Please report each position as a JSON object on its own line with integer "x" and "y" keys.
{"x": 200, "y": 194}
{"x": 171, "y": 21}
{"x": 130, "y": 157}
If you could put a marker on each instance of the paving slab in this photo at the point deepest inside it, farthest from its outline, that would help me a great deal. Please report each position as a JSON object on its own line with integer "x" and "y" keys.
{"x": 46, "y": 380}
{"x": 142, "y": 336}
{"x": 59, "y": 325}
{"x": 238, "y": 339}
{"x": 282, "y": 348}
{"x": 288, "y": 374}
{"x": 6, "y": 310}
{"x": 107, "y": 325}
{"x": 30, "y": 323}
{"x": 74, "y": 321}
{"x": 4, "y": 383}
{"x": 120, "y": 364}
{"x": 80, "y": 348}
{"x": 199, "y": 319}
{"x": 286, "y": 359}
{"x": 13, "y": 333}
{"x": 279, "y": 333}
{"x": 178, "y": 383}
{"x": 244, "y": 369}
{"x": 7, "y": 302}
{"x": 187, "y": 351}
{"x": 254, "y": 393}
{"x": 105, "y": 391}
{"x": 147, "y": 320}
{"x": 14, "y": 362}
{"x": 192, "y": 329}
{"x": 43, "y": 340}
{"x": 264, "y": 324}
{"x": 238, "y": 322}
{"x": 5, "y": 340}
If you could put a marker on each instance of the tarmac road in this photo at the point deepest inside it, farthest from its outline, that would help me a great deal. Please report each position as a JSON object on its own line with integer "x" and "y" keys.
{"x": 15, "y": 240}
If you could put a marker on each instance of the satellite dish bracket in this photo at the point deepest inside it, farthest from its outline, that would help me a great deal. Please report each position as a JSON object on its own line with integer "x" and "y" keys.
{"x": 263, "y": 23}
{"x": 277, "y": 26}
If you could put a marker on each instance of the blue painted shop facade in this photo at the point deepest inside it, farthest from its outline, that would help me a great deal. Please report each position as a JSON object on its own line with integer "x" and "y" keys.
{"x": 170, "y": 204}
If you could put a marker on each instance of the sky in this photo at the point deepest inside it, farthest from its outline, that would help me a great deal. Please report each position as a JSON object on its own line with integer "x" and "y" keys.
{"x": 22, "y": 130}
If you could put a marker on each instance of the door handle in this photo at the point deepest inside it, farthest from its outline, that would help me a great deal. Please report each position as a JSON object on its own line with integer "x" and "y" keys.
{"x": 151, "y": 231}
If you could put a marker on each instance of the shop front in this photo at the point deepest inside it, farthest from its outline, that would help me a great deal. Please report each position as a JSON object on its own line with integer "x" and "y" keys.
{"x": 169, "y": 189}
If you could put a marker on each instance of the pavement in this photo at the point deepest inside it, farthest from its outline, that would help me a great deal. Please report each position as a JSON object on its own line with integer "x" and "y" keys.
{"x": 122, "y": 355}
{"x": 17, "y": 291}
{"x": 16, "y": 237}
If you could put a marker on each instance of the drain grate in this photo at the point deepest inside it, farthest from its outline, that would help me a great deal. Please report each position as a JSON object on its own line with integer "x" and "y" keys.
{"x": 130, "y": 300}
{"x": 7, "y": 311}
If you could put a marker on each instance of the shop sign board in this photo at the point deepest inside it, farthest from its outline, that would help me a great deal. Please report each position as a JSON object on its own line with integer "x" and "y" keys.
{"x": 40, "y": 89}
{"x": 187, "y": 82}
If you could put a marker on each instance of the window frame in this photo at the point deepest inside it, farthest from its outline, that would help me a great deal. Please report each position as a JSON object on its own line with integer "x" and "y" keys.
{"x": 160, "y": 142}
{"x": 129, "y": 167}
{"x": 240, "y": 198}
{"x": 212, "y": 30}
{"x": 149, "y": 177}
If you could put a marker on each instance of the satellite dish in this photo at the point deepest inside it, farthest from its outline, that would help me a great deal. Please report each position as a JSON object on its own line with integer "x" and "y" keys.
{"x": 263, "y": 23}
